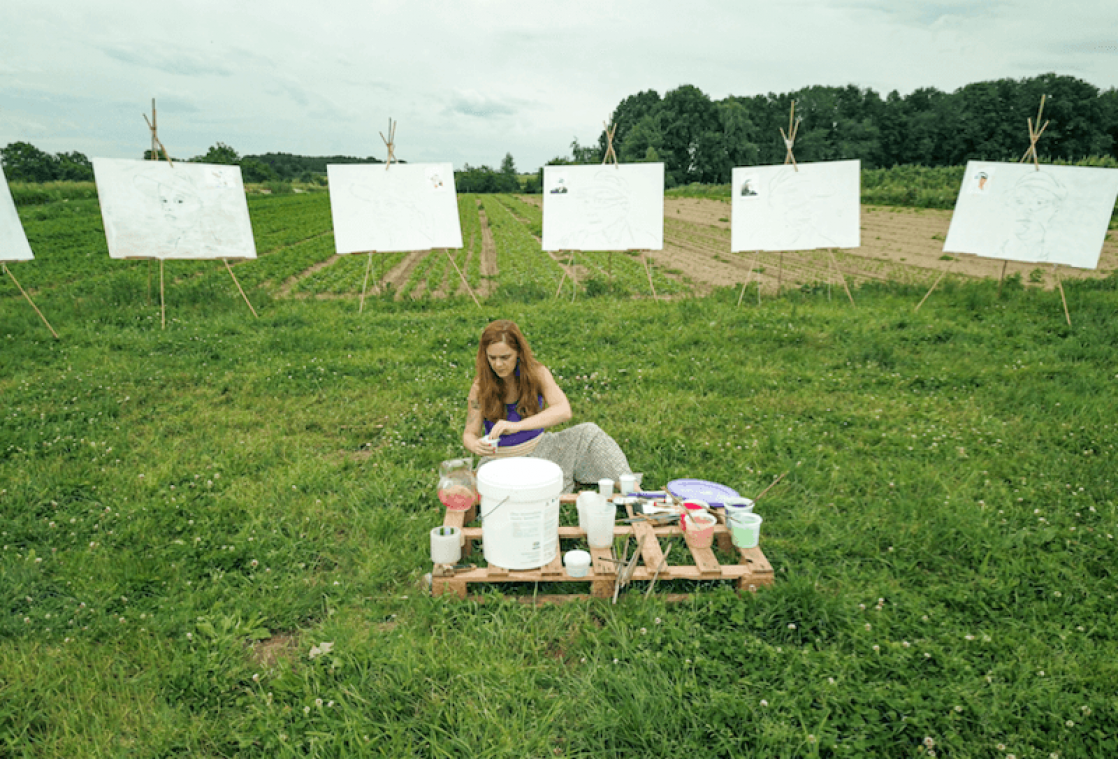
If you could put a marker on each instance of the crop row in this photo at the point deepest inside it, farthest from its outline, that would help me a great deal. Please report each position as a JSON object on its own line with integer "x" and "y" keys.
{"x": 279, "y": 221}
{"x": 523, "y": 267}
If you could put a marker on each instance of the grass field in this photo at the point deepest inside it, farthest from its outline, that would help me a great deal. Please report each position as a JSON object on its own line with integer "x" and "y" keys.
{"x": 213, "y": 536}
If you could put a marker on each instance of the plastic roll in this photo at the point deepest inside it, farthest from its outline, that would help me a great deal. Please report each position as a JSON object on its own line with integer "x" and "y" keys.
{"x": 446, "y": 545}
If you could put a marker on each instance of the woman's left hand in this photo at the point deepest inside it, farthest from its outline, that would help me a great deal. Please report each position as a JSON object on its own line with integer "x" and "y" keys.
{"x": 503, "y": 427}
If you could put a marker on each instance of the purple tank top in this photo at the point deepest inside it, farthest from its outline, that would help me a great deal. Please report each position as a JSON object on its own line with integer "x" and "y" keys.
{"x": 515, "y": 438}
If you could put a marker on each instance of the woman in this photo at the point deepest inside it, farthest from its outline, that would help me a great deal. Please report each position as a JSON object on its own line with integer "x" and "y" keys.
{"x": 514, "y": 398}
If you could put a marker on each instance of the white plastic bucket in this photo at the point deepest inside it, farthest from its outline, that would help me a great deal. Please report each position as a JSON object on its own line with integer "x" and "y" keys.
{"x": 520, "y": 511}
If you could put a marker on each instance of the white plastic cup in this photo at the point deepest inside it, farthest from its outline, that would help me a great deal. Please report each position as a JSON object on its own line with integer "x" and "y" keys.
{"x": 586, "y": 499}
{"x": 577, "y": 563}
{"x": 745, "y": 529}
{"x": 600, "y": 516}
{"x": 605, "y": 487}
{"x": 698, "y": 531}
{"x": 737, "y": 506}
{"x": 630, "y": 483}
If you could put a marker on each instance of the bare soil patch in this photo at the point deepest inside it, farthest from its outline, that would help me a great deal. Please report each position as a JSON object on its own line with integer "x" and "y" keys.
{"x": 399, "y": 275}
{"x": 898, "y": 244}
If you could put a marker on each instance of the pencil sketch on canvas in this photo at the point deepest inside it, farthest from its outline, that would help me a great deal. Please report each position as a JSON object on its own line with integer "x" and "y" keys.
{"x": 187, "y": 211}
{"x": 618, "y": 207}
{"x": 406, "y": 206}
{"x": 814, "y": 205}
{"x": 1013, "y": 211}
{"x": 13, "y": 240}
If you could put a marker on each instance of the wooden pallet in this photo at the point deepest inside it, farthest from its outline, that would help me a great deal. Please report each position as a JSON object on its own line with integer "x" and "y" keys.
{"x": 750, "y": 571}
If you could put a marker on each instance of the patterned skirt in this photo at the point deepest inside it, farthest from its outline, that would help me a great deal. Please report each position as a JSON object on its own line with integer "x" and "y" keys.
{"x": 584, "y": 452}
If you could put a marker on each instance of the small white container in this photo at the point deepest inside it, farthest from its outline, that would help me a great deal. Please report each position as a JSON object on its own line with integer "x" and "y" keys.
{"x": 605, "y": 487}
{"x": 577, "y": 563}
{"x": 446, "y": 545}
{"x": 630, "y": 483}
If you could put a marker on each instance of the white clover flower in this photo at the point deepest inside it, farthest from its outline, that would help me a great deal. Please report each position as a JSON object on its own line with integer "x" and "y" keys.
{"x": 322, "y": 648}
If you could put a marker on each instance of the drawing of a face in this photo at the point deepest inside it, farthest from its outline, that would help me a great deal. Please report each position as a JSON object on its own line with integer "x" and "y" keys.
{"x": 180, "y": 205}
{"x": 606, "y": 200}
{"x": 1036, "y": 199}
{"x": 982, "y": 179}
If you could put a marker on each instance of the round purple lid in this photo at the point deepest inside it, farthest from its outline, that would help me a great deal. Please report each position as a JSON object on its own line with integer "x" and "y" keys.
{"x": 702, "y": 490}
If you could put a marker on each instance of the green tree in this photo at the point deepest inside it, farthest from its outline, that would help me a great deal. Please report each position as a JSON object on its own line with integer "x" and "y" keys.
{"x": 584, "y": 153}
{"x": 629, "y": 112}
{"x": 692, "y": 145}
{"x": 219, "y": 153}
{"x": 23, "y": 162}
{"x": 253, "y": 170}
{"x": 74, "y": 167}
{"x": 641, "y": 140}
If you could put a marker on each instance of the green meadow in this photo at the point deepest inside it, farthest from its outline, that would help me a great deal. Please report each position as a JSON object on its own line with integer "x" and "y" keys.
{"x": 214, "y": 534}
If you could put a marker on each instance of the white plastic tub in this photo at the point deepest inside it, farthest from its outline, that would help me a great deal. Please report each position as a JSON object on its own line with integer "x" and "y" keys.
{"x": 520, "y": 511}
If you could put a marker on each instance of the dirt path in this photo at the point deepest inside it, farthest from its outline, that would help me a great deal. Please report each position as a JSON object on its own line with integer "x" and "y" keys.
{"x": 462, "y": 289}
{"x": 398, "y": 276}
{"x": 489, "y": 269}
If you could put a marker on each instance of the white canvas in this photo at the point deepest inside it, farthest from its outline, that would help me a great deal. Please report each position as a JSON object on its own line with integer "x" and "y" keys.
{"x": 604, "y": 207}
{"x": 406, "y": 206}
{"x": 13, "y": 240}
{"x": 188, "y": 211}
{"x": 804, "y": 207}
{"x": 1012, "y": 211}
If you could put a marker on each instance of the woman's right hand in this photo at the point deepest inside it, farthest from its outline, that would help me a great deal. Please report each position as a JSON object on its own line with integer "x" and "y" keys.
{"x": 482, "y": 447}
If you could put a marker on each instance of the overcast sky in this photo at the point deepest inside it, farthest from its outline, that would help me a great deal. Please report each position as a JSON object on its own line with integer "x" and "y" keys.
{"x": 471, "y": 80}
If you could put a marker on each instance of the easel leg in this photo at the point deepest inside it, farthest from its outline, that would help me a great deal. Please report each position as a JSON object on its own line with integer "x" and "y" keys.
{"x": 1002, "y": 277}
{"x": 365, "y": 284}
{"x": 934, "y": 285}
{"x": 841, "y": 278}
{"x": 162, "y": 299}
{"x": 562, "y": 279}
{"x": 757, "y": 265}
{"x": 25, "y": 295}
{"x": 1063, "y": 297}
{"x": 648, "y": 268}
{"x": 463, "y": 277}
{"x": 239, "y": 288}
{"x": 780, "y": 274}
{"x": 745, "y": 284}
{"x": 574, "y": 282}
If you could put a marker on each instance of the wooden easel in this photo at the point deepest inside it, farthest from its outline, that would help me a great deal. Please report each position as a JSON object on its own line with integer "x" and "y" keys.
{"x": 28, "y": 297}
{"x": 789, "y": 138}
{"x": 609, "y": 156}
{"x": 390, "y": 143}
{"x": 157, "y": 147}
{"x": 1035, "y": 131}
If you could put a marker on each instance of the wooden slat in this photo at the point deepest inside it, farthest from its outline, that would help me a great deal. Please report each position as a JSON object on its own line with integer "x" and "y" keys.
{"x": 752, "y": 570}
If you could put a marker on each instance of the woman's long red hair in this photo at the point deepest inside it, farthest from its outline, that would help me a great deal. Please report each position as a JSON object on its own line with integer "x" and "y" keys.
{"x": 491, "y": 390}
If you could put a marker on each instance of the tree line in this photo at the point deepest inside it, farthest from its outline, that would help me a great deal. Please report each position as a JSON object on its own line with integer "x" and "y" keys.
{"x": 701, "y": 140}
